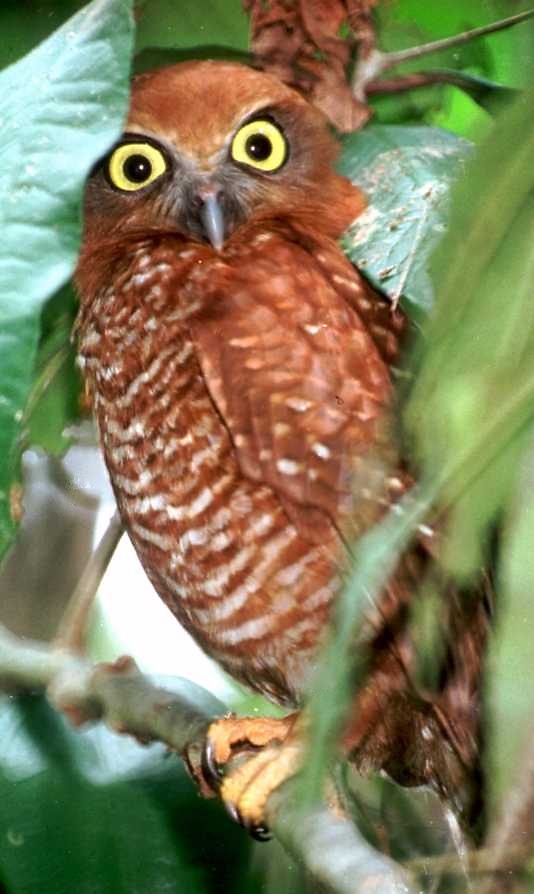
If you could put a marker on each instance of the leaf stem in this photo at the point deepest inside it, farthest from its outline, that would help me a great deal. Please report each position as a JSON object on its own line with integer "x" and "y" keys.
{"x": 419, "y": 79}
{"x": 72, "y": 630}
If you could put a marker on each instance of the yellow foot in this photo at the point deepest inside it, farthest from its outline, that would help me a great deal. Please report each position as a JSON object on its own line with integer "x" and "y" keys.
{"x": 232, "y": 735}
{"x": 246, "y": 790}
{"x": 270, "y": 745}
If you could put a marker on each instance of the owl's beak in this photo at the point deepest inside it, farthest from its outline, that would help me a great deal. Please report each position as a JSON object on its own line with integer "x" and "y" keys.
{"x": 212, "y": 218}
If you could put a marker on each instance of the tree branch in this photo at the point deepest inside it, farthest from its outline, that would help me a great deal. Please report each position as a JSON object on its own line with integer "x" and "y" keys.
{"x": 129, "y": 702}
{"x": 425, "y": 79}
{"x": 371, "y": 65}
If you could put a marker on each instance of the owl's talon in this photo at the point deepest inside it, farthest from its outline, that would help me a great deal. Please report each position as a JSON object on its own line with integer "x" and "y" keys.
{"x": 268, "y": 752}
{"x": 211, "y": 769}
{"x": 231, "y": 735}
{"x": 260, "y": 833}
{"x": 246, "y": 789}
{"x": 233, "y": 813}
{"x": 225, "y": 738}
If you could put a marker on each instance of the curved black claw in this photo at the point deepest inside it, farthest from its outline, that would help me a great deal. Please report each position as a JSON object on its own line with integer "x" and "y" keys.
{"x": 233, "y": 813}
{"x": 211, "y": 770}
{"x": 260, "y": 833}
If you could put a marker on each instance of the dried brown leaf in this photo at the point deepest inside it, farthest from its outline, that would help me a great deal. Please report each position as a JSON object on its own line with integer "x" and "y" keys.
{"x": 300, "y": 42}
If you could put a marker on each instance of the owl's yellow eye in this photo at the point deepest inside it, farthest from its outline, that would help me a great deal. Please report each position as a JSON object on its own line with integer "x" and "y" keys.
{"x": 134, "y": 165}
{"x": 260, "y": 144}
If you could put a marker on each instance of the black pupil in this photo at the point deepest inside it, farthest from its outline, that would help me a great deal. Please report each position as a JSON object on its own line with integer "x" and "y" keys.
{"x": 137, "y": 168}
{"x": 258, "y": 147}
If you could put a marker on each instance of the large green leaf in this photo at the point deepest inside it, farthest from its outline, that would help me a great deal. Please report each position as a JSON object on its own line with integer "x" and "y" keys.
{"x": 60, "y": 107}
{"x": 94, "y": 812}
{"x": 405, "y": 173}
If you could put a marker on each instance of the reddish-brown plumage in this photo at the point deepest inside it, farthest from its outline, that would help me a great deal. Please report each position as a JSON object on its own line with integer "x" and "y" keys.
{"x": 243, "y": 395}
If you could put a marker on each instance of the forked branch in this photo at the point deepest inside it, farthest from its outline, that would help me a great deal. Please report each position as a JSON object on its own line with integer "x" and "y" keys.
{"x": 129, "y": 702}
{"x": 370, "y": 66}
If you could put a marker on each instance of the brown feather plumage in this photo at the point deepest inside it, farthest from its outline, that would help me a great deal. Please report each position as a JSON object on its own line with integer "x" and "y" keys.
{"x": 244, "y": 396}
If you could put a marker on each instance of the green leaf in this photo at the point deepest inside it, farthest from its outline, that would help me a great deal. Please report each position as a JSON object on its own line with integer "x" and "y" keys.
{"x": 168, "y": 33}
{"x": 510, "y": 697}
{"x": 405, "y": 173}
{"x": 61, "y": 107}
{"x": 472, "y": 409}
{"x": 474, "y": 392}
{"x": 95, "y": 812}
{"x": 343, "y": 660}
{"x": 190, "y": 25}
{"x": 54, "y": 402}
{"x": 21, "y": 31}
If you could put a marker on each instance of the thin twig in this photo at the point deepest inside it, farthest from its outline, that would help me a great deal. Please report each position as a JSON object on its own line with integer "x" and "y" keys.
{"x": 370, "y": 67}
{"x": 72, "y": 631}
{"x": 455, "y": 40}
{"x": 129, "y": 702}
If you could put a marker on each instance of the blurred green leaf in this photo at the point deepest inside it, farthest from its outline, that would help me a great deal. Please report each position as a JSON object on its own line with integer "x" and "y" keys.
{"x": 471, "y": 412}
{"x": 343, "y": 660}
{"x": 61, "y": 107}
{"x": 509, "y": 694}
{"x": 475, "y": 388}
{"x": 189, "y": 25}
{"x": 511, "y": 700}
{"x": 54, "y": 400}
{"x": 405, "y": 173}
{"x": 95, "y": 812}
{"x": 471, "y": 416}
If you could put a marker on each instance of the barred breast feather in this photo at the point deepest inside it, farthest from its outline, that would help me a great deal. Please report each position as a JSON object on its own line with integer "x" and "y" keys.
{"x": 237, "y": 402}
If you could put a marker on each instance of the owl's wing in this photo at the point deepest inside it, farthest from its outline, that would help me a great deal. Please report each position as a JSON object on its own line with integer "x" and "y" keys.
{"x": 295, "y": 376}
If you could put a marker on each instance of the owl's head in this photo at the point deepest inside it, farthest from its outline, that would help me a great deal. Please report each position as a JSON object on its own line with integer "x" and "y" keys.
{"x": 211, "y": 146}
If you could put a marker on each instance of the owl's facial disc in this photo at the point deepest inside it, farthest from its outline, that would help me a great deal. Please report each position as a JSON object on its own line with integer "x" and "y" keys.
{"x": 205, "y": 193}
{"x": 216, "y": 204}
{"x": 136, "y": 164}
{"x": 258, "y": 145}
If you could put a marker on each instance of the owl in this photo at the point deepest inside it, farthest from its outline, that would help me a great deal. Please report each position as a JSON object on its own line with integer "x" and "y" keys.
{"x": 240, "y": 373}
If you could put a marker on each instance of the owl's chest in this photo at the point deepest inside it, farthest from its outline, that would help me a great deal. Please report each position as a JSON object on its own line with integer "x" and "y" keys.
{"x": 159, "y": 429}
{"x": 218, "y": 546}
